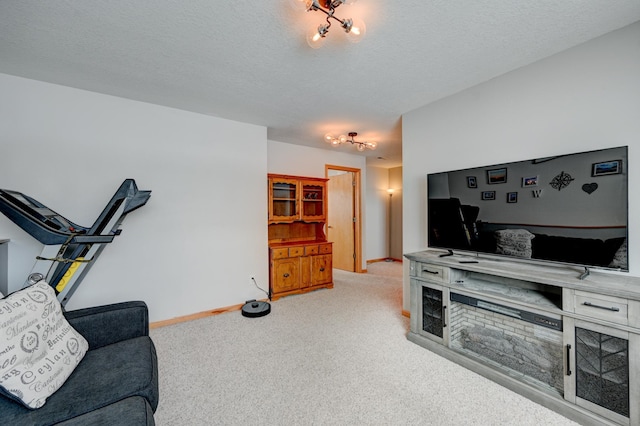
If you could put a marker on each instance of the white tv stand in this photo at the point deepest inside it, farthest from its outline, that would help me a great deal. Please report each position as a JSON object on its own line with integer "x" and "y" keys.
{"x": 567, "y": 343}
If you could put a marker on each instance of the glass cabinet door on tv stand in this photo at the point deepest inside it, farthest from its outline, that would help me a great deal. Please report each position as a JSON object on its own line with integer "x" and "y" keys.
{"x": 600, "y": 363}
{"x": 432, "y": 318}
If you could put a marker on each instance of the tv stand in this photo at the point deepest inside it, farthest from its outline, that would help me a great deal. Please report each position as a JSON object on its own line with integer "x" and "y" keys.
{"x": 537, "y": 329}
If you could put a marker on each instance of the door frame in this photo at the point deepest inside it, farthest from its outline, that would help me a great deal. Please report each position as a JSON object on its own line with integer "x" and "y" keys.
{"x": 356, "y": 211}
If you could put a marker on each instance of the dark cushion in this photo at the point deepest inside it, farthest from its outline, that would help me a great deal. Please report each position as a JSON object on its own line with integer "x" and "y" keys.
{"x": 104, "y": 325}
{"x": 586, "y": 251}
{"x": 132, "y": 411}
{"x": 105, "y": 376}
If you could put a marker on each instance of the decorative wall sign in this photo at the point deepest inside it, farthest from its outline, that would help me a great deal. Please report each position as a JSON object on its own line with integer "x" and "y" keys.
{"x": 472, "y": 182}
{"x": 612, "y": 167}
{"x": 589, "y": 187}
{"x": 488, "y": 195}
{"x": 561, "y": 181}
{"x": 529, "y": 181}
{"x": 497, "y": 176}
{"x": 512, "y": 197}
{"x": 536, "y": 193}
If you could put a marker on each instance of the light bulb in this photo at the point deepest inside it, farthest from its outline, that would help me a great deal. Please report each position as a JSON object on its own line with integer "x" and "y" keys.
{"x": 328, "y": 138}
{"x": 342, "y": 138}
{"x": 315, "y": 40}
{"x": 335, "y": 142}
{"x": 315, "y": 37}
{"x": 357, "y": 31}
{"x": 372, "y": 145}
{"x": 360, "y": 147}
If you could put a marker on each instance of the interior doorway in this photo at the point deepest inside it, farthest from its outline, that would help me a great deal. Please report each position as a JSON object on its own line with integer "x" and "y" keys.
{"x": 344, "y": 218}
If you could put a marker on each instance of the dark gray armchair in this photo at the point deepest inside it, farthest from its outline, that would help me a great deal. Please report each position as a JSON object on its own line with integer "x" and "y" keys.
{"x": 115, "y": 383}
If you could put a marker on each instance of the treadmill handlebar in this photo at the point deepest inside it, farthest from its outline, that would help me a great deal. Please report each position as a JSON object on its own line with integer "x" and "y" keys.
{"x": 25, "y": 212}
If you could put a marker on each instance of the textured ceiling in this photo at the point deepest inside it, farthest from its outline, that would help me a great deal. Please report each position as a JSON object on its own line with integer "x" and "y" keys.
{"x": 248, "y": 60}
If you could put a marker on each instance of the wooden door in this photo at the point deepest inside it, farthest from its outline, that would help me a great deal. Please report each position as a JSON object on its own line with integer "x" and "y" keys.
{"x": 285, "y": 274}
{"x": 321, "y": 269}
{"x": 341, "y": 224}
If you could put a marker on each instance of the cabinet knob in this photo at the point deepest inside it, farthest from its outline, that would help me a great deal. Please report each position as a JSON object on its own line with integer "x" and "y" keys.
{"x": 321, "y": 269}
{"x": 286, "y": 275}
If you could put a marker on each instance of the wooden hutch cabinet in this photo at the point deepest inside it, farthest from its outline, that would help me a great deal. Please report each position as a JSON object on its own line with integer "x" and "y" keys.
{"x": 299, "y": 254}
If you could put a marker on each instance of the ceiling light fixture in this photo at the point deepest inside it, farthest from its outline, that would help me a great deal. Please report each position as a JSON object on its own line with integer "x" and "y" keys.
{"x": 354, "y": 28}
{"x": 360, "y": 146}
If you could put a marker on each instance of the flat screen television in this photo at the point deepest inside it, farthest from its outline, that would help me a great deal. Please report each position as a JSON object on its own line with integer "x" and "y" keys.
{"x": 570, "y": 209}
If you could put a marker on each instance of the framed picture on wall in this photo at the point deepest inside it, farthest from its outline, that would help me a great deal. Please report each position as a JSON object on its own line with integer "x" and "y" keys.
{"x": 472, "y": 182}
{"x": 529, "y": 181}
{"x": 488, "y": 195}
{"x": 512, "y": 197}
{"x": 612, "y": 167}
{"x": 497, "y": 176}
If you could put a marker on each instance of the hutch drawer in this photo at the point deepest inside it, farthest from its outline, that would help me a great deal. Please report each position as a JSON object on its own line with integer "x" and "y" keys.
{"x": 310, "y": 250}
{"x": 296, "y": 251}
{"x": 325, "y": 248}
{"x": 279, "y": 253}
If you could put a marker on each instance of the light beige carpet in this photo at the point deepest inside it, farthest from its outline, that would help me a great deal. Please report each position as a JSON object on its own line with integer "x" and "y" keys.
{"x": 329, "y": 357}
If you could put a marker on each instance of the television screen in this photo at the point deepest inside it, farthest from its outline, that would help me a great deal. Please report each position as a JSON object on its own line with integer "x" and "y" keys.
{"x": 566, "y": 208}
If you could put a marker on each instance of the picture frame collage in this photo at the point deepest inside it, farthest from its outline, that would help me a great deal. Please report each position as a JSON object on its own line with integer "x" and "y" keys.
{"x": 499, "y": 176}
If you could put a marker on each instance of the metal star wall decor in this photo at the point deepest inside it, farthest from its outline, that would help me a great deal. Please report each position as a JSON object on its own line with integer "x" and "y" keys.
{"x": 561, "y": 181}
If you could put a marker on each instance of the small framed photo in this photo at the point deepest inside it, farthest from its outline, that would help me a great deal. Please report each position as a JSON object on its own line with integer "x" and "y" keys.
{"x": 529, "y": 181}
{"x": 472, "y": 182}
{"x": 512, "y": 197}
{"x": 612, "y": 167}
{"x": 497, "y": 176}
{"x": 488, "y": 195}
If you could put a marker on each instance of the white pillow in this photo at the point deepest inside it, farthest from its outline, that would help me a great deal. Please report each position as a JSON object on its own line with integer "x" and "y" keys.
{"x": 514, "y": 242}
{"x": 38, "y": 347}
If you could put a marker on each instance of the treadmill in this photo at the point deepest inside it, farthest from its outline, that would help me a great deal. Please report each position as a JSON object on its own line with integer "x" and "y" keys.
{"x": 69, "y": 249}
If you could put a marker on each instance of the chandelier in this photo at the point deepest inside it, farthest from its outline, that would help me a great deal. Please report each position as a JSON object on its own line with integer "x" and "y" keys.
{"x": 355, "y": 29}
{"x": 360, "y": 146}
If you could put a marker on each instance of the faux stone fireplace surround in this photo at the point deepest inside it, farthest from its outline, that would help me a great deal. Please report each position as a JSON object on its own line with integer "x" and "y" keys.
{"x": 509, "y": 343}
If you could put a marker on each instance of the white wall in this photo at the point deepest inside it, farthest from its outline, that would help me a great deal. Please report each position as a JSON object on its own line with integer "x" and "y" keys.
{"x": 384, "y": 217}
{"x": 378, "y": 211}
{"x": 200, "y": 236}
{"x": 296, "y": 160}
{"x": 585, "y": 98}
